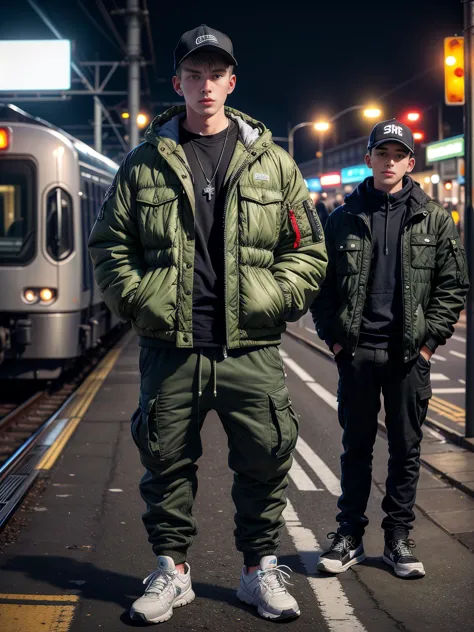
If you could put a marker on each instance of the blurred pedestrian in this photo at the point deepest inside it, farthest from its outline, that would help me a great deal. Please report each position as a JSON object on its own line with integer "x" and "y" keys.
{"x": 208, "y": 242}
{"x": 395, "y": 286}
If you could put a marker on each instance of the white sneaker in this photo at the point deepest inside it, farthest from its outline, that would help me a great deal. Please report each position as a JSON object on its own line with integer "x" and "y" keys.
{"x": 166, "y": 589}
{"x": 265, "y": 588}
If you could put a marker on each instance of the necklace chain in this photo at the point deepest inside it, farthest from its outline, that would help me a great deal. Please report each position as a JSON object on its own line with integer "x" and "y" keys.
{"x": 209, "y": 190}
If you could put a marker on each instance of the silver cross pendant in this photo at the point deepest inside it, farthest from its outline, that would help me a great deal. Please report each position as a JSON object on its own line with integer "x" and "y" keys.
{"x": 209, "y": 191}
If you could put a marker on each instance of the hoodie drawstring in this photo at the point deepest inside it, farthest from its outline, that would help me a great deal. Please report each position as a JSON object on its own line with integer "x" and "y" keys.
{"x": 387, "y": 210}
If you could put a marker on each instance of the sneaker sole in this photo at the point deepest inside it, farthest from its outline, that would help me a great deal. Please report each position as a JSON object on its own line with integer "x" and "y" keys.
{"x": 405, "y": 571}
{"x": 325, "y": 565}
{"x": 250, "y": 600}
{"x": 183, "y": 601}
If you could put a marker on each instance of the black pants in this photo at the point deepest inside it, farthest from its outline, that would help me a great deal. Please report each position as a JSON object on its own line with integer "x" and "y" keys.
{"x": 406, "y": 389}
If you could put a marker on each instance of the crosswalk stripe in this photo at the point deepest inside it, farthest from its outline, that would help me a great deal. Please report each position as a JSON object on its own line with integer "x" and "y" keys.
{"x": 301, "y": 479}
{"x": 439, "y": 377}
{"x": 333, "y": 602}
{"x": 457, "y": 354}
{"x": 320, "y": 468}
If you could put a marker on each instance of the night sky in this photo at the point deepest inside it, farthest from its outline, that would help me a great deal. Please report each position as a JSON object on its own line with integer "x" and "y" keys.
{"x": 311, "y": 59}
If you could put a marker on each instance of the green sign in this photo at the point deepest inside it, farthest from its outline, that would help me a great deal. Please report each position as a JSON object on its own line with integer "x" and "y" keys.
{"x": 445, "y": 149}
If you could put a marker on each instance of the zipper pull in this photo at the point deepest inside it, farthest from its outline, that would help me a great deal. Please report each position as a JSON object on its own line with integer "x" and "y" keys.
{"x": 224, "y": 351}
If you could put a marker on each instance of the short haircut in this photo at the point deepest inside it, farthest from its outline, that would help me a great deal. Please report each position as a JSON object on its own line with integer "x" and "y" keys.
{"x": 410, "y": 153}
{"x": 205, "y": 58}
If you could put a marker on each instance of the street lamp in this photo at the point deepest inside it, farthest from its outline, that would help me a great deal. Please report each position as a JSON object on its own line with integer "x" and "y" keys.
{"x": 323, "y": 126}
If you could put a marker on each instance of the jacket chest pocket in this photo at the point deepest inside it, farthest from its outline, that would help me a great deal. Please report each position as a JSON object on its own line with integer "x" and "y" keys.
{"x": 423, "y": 251}
{"x": 157, "y": 214}
{"x": 348, "y": 254}
{"x": 260, "y": 217}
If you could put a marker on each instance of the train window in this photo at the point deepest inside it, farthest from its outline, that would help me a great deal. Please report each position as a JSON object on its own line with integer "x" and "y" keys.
{"x": 17, "y": 211}
{"x": 86, "y": 264}
{"x": 59, "y": 224}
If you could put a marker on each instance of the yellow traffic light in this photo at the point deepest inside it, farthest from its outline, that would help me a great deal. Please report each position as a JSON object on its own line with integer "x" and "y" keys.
{"x": 454, "y": 70}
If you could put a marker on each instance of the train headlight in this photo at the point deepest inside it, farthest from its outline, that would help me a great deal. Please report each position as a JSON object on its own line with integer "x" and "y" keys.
{"x": 30, "y": 296}
{"x": 46, "y": 295}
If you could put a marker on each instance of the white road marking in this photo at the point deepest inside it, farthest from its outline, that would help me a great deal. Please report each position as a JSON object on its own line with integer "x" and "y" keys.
{"x": 311, "y": 331}
{"x": 283, "y": 353}
{"x": 462, "y": 381}
{"x": 439, "y": 377}
{"x": 319, "y": 467}
{"x": 457, "y": 354}
{"x": 440, "y": 357}
{"x": 301, "y": 479}
{"x": 324, "y": 394}
{"x": 435, "y": 434}
{"x": 449, "y": 390}
{"x": 301, "y": 373}
{"x": 335, "y": 606}
{"x": 458, "y": 338}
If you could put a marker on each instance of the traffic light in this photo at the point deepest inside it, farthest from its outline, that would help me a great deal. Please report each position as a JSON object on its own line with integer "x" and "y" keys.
{"x": 454, "y": 70}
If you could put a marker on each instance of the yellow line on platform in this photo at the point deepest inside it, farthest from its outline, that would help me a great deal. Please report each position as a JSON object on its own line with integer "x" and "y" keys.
{"x": 79, "y": 406}
{"x": 33, "y": 618}
{"x": 47, "y": 598}
{"x": 447, "y": 409}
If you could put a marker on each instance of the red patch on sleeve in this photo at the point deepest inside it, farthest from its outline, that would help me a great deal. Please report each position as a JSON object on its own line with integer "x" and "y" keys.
{"x": 296, "y": 228}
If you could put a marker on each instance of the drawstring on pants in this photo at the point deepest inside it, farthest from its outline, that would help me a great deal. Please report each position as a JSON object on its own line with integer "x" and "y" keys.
{"x": 214, "y": 371}
{"x": 200, "y": 373}
{"x": 214, "y": 374}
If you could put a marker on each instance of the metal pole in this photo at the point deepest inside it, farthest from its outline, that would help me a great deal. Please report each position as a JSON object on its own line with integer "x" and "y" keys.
{"x": 97, "y": 115}
{"x": 291, "y": 142}
{"x": 321, "y": 149}
{"x": 468, "y": 208}
{"x": 97, "y": 125}
{"x": 133, "y": 53}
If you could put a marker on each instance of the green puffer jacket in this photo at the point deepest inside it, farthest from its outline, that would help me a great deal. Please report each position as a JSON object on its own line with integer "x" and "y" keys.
{"x": 434, "y": 275}
{"x": 142, "y": 243}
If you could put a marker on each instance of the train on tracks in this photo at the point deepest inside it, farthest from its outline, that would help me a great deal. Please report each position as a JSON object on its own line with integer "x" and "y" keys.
{"x": 51, "y": 188}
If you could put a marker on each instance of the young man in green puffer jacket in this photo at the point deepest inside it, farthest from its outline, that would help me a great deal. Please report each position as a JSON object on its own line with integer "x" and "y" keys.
{"x": 395, "y": 286}
{"x": 208, "y": 242}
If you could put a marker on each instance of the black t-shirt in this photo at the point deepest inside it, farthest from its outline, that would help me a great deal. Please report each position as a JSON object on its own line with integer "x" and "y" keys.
{"x": 208, "y": 290}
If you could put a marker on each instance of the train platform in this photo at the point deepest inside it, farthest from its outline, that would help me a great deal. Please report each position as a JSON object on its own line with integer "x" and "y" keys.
{"x": 77, "y": 556}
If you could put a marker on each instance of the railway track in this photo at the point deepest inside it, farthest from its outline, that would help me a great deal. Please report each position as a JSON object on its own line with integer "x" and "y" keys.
{"x": 23, "y": 427}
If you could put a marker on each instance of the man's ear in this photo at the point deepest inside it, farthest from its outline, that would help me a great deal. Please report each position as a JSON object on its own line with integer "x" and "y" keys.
{"x": 177, "y": 85}
{"x": 368, "y": 160}
{"x": 411, "y": 164}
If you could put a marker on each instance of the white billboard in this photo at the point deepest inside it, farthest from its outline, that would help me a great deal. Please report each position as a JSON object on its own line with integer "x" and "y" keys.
{"x": 35, "y": 65}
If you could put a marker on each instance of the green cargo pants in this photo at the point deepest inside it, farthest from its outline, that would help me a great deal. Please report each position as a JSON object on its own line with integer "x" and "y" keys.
{"x": 247, "y": 390}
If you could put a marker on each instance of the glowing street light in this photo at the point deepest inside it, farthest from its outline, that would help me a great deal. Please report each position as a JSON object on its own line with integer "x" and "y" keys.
{"x": 418, "y": 135}
{"x": 125, "y": 115}
{"x": 372, "y": 112}
{"x": 413, "y": 116}
{"x": 321, "y": 126}
{"x": 142, "y": 120}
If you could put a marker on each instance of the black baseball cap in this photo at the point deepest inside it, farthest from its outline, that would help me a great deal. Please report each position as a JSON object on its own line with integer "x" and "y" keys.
{"x": 203, "y": 38}
{"x": 391, "y": 130}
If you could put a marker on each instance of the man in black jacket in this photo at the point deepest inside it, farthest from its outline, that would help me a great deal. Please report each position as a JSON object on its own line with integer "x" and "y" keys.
{"x": 395, "y": 285}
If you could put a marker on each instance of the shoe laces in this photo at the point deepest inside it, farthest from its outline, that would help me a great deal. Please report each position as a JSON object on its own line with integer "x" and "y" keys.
{"x": 274, "y": 578}
{"x": 157, "y": 581}
{"x": 342, "y": 543}
{"x": 403, "y": 547}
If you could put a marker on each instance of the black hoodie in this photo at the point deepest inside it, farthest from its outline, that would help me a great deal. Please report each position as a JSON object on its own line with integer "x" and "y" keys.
{"x": 382, "y": 325}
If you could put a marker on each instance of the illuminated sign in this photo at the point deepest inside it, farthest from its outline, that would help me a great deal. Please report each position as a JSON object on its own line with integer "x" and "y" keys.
{"x": 313, "y": 184}
{"x": 35, "y": 65}
{"x": 331, "y": 179}
{"x": 357, "y": 173}
{"x": 444, "y": 149}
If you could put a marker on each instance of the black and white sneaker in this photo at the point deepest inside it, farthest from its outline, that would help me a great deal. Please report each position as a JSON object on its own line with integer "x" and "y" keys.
{"x": 399, "y": 555}
{"x": 344, "y": 552}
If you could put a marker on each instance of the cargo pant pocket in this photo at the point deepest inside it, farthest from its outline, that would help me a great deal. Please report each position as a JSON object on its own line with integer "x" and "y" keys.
{"x": 284, "y": 423}
{"x": 144, "y": 438}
